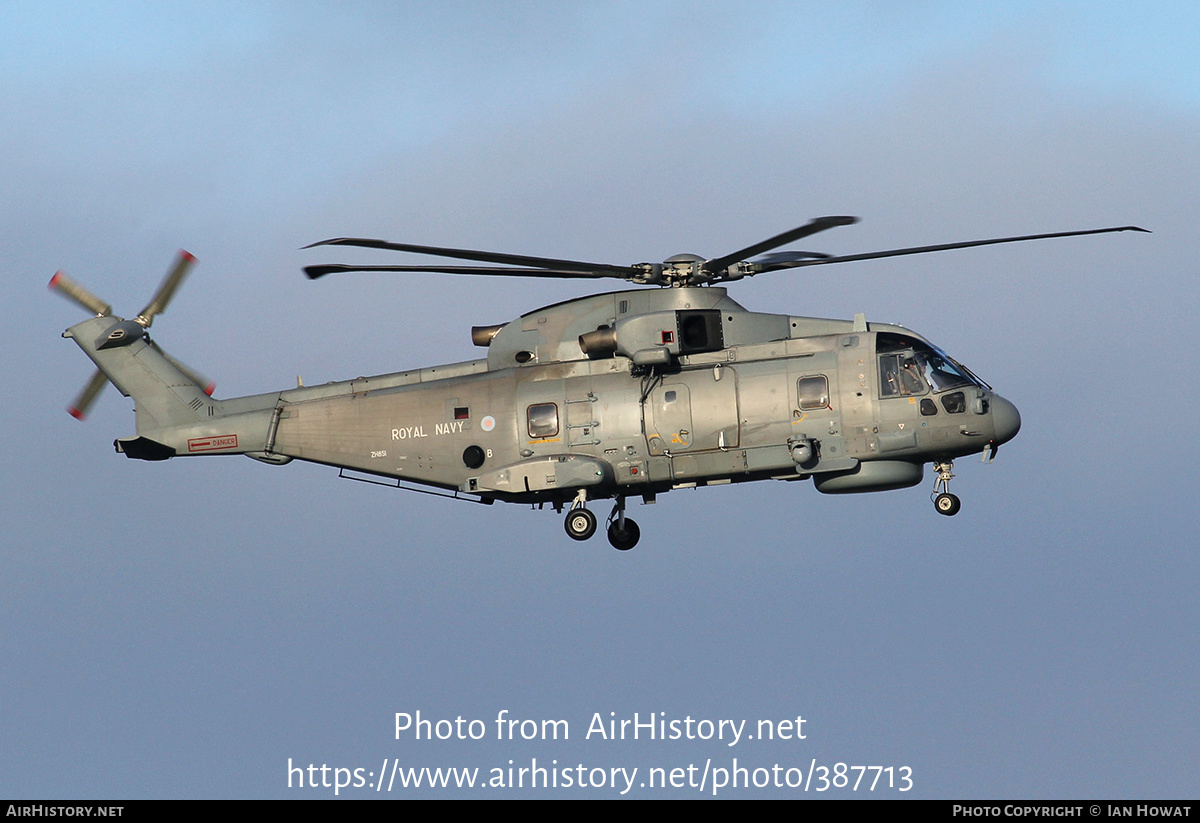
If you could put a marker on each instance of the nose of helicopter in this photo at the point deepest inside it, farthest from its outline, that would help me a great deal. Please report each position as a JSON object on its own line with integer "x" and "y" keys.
{"x": 1005, "y": 419}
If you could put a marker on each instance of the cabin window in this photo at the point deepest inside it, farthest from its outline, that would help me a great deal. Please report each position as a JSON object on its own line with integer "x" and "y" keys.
{"x": 543, "y": 420}
{"x": 814, "y": 392}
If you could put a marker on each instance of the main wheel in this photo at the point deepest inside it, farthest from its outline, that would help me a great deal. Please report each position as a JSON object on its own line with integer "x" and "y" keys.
{"x": 580, "y": 524}
{"x": 624, "y": 539}
{"x": 947, "y": 504}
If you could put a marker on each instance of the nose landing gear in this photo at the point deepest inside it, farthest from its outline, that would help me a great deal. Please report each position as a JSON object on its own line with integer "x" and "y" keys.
{"x": 943, "y": 501}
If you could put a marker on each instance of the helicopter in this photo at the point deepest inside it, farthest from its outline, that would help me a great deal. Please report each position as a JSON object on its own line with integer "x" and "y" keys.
{"x": 611, "y": 396}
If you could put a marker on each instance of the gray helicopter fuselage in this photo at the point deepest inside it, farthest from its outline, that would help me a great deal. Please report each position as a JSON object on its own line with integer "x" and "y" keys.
{"x": 655, "y": 404}
{"x": 608, "y": 396}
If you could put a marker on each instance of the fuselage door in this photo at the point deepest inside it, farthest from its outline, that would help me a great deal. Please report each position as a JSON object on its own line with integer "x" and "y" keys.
{"x": 669, "y": 418}
{"x": 694, "y": 411}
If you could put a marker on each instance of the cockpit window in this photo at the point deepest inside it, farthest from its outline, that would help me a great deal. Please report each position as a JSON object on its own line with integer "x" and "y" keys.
{"x": 908, "y": 367}
{"x": 955, "y": 403}
{"x": 941, "y": 372}
{"x": 899, "y": 375}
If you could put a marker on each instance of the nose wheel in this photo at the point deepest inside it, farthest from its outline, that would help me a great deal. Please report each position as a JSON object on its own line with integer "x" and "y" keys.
{"x": 943, "y": 501}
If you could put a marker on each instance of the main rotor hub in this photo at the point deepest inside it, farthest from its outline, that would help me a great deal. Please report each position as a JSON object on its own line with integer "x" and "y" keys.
{"x": 683, "y": 270}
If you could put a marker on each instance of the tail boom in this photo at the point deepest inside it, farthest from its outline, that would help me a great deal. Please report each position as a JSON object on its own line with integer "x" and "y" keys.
{"x": 175, "y": 414}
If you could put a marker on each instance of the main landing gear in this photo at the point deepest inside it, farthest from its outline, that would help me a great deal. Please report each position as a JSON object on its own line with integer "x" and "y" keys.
{"x": 580, "y": 524}
{"x": 943, "y": 501}
{"x": 623, "y": 533}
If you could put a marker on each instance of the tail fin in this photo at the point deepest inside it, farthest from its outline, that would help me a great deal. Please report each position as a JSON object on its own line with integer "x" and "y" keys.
{"x": 165, "y": 392}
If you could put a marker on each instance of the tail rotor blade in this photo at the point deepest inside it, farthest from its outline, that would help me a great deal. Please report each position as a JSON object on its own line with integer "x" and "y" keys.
{"x": 167, "y": 289}
{"x": 87, "y": 396}
{"x": 196, "y": 377}
{"x": 76, "y": 293}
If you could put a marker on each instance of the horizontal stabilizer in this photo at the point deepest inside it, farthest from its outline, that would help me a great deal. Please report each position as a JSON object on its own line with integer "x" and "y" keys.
{"x": 143, "y": 448}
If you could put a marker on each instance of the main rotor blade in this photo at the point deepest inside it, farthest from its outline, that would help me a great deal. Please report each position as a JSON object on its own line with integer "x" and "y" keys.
{"x": 846, "y": 258}
{"x": 790, "y": 256}
{"x": 314, "y": 272}
{"x": 810, "y": 228}
{"x": 166, "y": 289}
{"x": 87, "y": 396}
{"x": 77, "y": 294}
{"x": 602, "y": 269}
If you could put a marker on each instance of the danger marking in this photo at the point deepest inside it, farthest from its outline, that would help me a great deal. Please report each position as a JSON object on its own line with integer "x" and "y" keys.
{"x": 211, "y": 444}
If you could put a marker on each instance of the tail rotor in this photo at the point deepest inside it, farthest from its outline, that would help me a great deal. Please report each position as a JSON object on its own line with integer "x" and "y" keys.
{"x": 77, "y": 294}
{"x": 166, "y": 289}
{"x": 125, "y": 332}
{"x": 196, "y": 377}
{"x": 87, "y": 396}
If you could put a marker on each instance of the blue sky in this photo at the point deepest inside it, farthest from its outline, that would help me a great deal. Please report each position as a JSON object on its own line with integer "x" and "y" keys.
{"x": 183, "y": 629}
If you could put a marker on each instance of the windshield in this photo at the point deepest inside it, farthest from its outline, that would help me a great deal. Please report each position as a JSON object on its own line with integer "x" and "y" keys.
{"x": 940, "y": 371}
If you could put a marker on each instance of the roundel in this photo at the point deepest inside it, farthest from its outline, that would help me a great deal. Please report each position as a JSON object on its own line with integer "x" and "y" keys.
{"x": 488, "y": 423}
